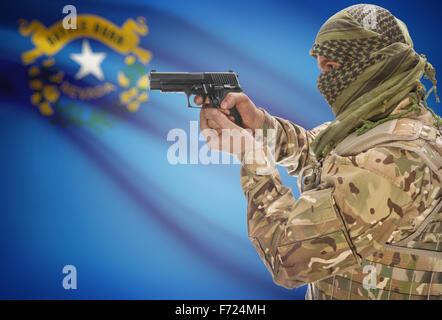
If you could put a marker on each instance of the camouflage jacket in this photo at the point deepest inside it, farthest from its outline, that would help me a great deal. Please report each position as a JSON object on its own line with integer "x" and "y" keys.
{"x": 333, "y": 237}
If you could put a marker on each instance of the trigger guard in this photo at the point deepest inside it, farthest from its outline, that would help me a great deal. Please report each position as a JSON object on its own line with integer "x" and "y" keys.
{"x": 189, "y": 105}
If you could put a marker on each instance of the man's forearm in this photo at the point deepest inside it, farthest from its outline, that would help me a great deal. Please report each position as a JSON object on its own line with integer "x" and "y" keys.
{"x": 292, "y": 142}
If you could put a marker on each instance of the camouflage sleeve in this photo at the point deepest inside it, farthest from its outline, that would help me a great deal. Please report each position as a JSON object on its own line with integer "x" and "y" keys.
{"x": 292, "y": 142}
{"x": 330, "y": 229}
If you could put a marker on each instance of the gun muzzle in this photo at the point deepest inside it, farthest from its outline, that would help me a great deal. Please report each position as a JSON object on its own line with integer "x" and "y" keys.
{"x": 155, "y": 82}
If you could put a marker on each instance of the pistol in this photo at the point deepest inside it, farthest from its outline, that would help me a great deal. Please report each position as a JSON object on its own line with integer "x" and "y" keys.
{"x": 215, "y": 85}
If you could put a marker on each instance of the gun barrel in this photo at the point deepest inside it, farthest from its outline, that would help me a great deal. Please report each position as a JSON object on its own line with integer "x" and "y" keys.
{"x": 177, "y": 81}
{"x": 163, "y": 80}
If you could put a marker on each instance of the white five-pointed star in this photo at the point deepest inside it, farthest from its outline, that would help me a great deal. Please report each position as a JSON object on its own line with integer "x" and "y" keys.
{"x": 89, "y": 62}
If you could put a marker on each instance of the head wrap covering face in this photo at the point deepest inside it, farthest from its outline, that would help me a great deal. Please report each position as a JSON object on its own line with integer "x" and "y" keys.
{"x": 378, "y": 68}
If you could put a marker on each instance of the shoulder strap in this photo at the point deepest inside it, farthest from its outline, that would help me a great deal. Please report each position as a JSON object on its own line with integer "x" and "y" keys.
{"x": 404, "y": 133}
{"x": 385, "y": 132}
{"x": 402, "y": 245}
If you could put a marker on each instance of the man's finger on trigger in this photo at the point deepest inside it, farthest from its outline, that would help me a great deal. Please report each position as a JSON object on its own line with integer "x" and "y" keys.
{"x": 198, "y": 100}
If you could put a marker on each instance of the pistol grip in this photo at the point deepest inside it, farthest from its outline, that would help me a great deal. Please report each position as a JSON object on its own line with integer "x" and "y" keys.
{"x": 238, "y": 120}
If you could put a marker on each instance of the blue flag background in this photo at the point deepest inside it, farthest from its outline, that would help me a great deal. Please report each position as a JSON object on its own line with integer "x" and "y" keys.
{"x": 83, "y": 159}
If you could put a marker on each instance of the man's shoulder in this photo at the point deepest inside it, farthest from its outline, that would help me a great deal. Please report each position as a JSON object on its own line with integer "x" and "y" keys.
{"x": 316, "y": 130}
{"x": 400, "y": 150}
{"x": 404, "y": 168}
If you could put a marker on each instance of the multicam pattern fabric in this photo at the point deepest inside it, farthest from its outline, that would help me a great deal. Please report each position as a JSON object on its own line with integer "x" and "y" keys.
{"x": 378, "y": 68}
{"x": 331, "y": 234}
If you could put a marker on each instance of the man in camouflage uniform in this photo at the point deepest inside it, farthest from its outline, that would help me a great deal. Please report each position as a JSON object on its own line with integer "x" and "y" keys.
{"x": 368, "y": 222}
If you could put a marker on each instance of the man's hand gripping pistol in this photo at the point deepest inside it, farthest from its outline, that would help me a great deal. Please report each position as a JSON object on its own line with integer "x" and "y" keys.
{"x": 215, "y": 85}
